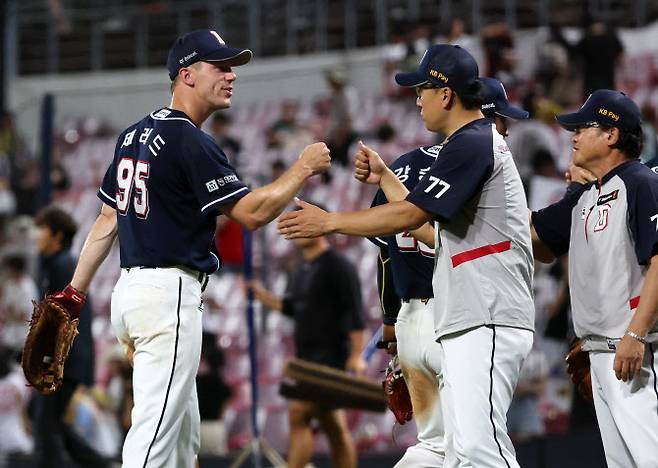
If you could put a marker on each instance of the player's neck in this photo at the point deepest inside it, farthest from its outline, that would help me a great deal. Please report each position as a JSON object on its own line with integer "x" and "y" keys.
{"x": 461, "y": 118}
{"x": 608, "y": 164}
{"x": 198, "y": 114}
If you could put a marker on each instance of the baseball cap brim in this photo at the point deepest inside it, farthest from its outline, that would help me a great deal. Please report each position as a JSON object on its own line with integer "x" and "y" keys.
{"x": 572, "y": 121}
{"x": 411, "y": 79}
{"x": 512, "y": 112}
{"x": 235, "y": 57}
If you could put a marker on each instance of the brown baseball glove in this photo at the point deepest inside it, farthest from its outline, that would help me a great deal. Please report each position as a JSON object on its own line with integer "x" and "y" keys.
{"x": 578, "y": 368}
{"x": 397, "y": 393}
{"x": 53, "y": 328}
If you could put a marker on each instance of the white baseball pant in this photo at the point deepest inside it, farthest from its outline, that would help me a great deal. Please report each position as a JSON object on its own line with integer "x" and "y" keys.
{"x": 627, "y": 412}
{"x": 156, "y": 314}
{"x": 419, "y": 356}
{"x": 479, "y": 371}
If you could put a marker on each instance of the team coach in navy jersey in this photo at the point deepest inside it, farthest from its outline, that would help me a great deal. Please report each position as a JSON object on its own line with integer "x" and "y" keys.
{"x": 164, "y": 188}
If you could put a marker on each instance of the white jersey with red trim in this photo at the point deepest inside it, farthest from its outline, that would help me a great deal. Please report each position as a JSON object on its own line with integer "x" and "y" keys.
{"x": 611, "y": 233}
{"x": 484, "y": 265}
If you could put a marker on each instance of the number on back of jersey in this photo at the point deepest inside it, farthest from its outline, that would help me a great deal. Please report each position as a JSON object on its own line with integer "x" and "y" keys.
{"x": 131, "y": 184}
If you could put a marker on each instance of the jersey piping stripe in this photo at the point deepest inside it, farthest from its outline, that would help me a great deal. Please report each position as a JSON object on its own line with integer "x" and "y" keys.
{"x": 225, "y": 197}
{"x": 173, "y": 118}
{"x": 634, "y": 302}
{"x": 653, "y": 370}
{"x": 469, "y": 255}
{"x": 381, "y": 241}
{"x": 173, "y": 368}
{"x": 106, "y": 195}
{"x": 493, "y": 425}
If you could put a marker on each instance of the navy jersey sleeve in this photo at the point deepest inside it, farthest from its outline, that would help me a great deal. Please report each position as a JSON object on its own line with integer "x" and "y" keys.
{"x": 643, "y": 218}
{"x": 388, "y": 299}
{"x": 454, "y": 178}
{"x": 108, "y": 189}
{"x": 213, "y": 179}
{"x": 553, "y": 223}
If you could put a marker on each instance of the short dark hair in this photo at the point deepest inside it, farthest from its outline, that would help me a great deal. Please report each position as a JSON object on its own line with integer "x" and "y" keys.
{"x": 472, "y": 97}
{"x": 58, "y": 221}
{"x": 630, "y": 142}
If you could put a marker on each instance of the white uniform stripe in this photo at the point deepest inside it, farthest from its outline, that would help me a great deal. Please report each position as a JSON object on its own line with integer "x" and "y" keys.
{"x": 106, "y": 195}
{"x": 224, "y": 197}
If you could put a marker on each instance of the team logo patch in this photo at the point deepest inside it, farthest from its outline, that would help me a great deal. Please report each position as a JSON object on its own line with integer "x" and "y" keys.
{"x": 211, "y": 185}
{"x": 603, "y": 199}
{"x": 161, "y": 114}
{"x": 432, "y": 150}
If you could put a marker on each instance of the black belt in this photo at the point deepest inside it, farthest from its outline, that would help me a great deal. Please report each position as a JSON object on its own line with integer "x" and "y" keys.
{"x": 424, "y": 300}
{"x": 202, "y": 277}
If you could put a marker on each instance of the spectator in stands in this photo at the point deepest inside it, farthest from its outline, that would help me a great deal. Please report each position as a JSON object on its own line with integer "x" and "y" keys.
{"x": 213, "y": 394}
{"x": 599, "y": 50}
{"x": 228, "y": 242}
{"x": 553, "y": 70}
{"x": 524, "y": 418}
{"x": 341, "y": 132}
{"x": 287, "y": 134}
{"x": 221, "y": 131}
{"x": 387, "y": 143}
{"x": 324, "y": 299}
{"x": 457, "y": 36}
{"x": 52, "y": 435}
{"x": 498, "y": 45}
{"x": 14, "y": 436}
{"x": 16, "y": 296}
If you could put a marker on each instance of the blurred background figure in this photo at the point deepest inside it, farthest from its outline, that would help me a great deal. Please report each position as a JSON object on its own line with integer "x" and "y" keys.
{"x": 323, "y": 297}
{"x": 15, "y": 438}
{"x": 600, "y": 50}
{"x": 343, "y": 109}
{"x": 17, "y": 292}
{"x": 214, "y": 393}
{"x": 53, "y": 436}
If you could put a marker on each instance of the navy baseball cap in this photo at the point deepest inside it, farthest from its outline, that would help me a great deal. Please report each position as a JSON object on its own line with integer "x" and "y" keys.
{"x": 607, "y": 107}
{"x": 495, "y": 101}
{"x": 203, "y": 45}
{"x": 443, "y": 65}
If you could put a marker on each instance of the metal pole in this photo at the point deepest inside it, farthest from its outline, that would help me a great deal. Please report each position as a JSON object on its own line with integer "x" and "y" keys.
{"x": 321, "y": 25}
{"x": 510, "y": 14}
{"x": 141, "y": 42}
{"x": 381, "y": 22}
{"x": 52, "y": 47}
{"x": 254, "y": 26}
{"x": 47, "y": 125}
{"x": 291, "y": 27}
{"x": 350, "y": 24}
{"x": 543, "y": 12}
{"x": 477, "y": 17}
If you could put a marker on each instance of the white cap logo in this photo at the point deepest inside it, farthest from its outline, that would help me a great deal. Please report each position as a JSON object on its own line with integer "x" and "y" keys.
{"x": 218, "y": 37}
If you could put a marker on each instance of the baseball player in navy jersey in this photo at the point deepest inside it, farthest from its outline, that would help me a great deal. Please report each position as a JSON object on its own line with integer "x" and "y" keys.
{"x": 483, "y": 310}
{"x": 161, "y": 195}
{"x": 610, "y": 230}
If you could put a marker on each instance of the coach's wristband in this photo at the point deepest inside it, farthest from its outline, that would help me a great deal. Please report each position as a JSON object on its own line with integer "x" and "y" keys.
{"x": 641, "y": 339}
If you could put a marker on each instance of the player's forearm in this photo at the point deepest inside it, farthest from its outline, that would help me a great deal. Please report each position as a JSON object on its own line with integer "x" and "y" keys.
{"x": 266, "y": 203}
{"x": 395, "y": 190}
{"x": 539, "y": 250}
{"x": 95, "y": 249}
{"x": 647, "y": 311}
{"x": 383, "y": 220}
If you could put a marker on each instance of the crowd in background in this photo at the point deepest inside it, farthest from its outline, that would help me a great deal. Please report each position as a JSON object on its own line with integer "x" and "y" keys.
{"x": 566, "y": 73}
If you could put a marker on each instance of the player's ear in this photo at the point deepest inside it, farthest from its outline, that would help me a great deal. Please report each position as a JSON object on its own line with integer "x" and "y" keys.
{"x": 447, "y": 95}
{"x": 612, "y": 136}
{"x": 186, "y": 75}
